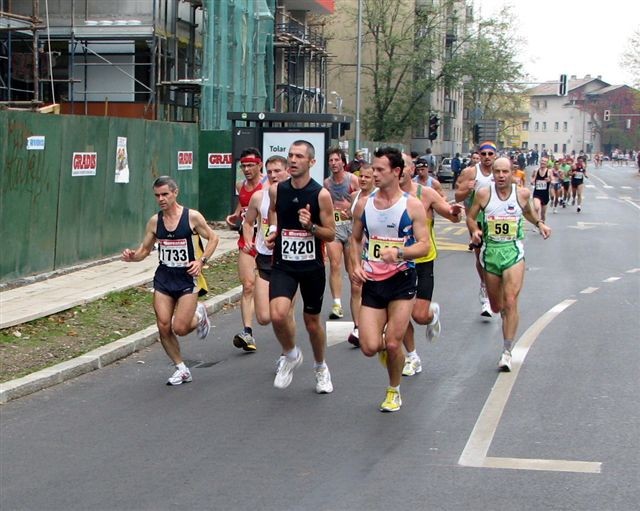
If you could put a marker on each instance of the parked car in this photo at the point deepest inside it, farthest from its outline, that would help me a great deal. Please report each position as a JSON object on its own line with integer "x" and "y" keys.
{"x": 444, "y": 172}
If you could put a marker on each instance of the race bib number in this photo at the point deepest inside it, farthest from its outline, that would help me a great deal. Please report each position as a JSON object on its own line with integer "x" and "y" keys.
{"x": 578, "y": 176}
{"x": 173, "y": 253}
{"x": 338, "y": 217}
{"x": 298, "y": 245}
{"x": 264, "y": 227}
{"x": 377, "y": 243}
{"x": 502, "y": 228}
{"x": 541, "y": 185}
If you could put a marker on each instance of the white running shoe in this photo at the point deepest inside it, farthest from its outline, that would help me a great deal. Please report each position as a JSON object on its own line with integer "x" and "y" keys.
{"x": 485, "y": 310}
{"x": 434, "y": 328}
{"x": 504, "y": 364}
{"x": 482, "y": 295}
{"x": 204, "y": 325}
{"x": 412, "y": 366}
{"x": 279, "y": 363}
{"x": 180, "y": 377}
{"x": 285, "y": 372}
{"x": 323, "y": 381}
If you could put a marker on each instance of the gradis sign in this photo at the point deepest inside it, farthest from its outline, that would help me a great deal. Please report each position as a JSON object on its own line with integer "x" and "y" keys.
{"x": 84, "y": 164}
{"x": 219, "y": 161}
{"x": 185, "y": 160}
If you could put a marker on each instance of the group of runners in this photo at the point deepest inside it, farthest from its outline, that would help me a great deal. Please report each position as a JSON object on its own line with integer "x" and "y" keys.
{"x": 379, "y": 226}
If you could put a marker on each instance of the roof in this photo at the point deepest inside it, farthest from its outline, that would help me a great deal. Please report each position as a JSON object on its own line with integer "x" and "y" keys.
{"x": 551, "y": 88}
{"x": 609, "y": 88}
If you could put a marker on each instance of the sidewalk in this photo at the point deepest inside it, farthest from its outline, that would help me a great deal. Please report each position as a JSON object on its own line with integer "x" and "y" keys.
{"x": 63, "y": 292}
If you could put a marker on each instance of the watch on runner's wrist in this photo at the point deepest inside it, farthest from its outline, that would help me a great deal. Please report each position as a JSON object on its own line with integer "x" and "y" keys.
{"x": 204, "y": 260}
{"x": 313, "y": 229}
{"x": 400, "y": 253}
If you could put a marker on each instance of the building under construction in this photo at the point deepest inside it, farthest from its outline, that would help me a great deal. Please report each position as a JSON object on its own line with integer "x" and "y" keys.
{"x": 178, "y": 60}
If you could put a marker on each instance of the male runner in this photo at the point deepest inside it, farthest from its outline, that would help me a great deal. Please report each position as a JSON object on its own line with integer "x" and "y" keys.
{"x": 178, "y": 280}
{"x": 502, "y": 253}
{"x": 301, "y": 220}
{"x": 393, "y": 226}
{"x": 341, "y": 184}
{"x": 470, "y": 181}
{"x": 251, "y": 164}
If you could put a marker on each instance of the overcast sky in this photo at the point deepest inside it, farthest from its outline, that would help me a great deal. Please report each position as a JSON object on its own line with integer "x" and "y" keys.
{"x": 574, "y": 37}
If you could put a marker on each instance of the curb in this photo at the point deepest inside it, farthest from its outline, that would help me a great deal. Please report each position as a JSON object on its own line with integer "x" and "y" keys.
{"x": 100, "y": 357}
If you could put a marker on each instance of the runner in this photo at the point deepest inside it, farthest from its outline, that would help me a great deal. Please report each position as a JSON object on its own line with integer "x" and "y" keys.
{"x": 565, "y": 167}
{"x": 578, "y": 173}
{"x": 251, "y": 164}
{"x": 424, "y": 311}
{"x": 178, "y": 280}
{"x": 393, "y": 227}
{"x": 556, "y": 185}
{"x": 365, "y": 180}
{"x": 341, "y": 184}
{"x": 540, "y": 181}
{"x": 301, "y": 220}
{"x": 470, "y": 181}
{"x": 423, "y": 175}
{"x": 502, "y": 255}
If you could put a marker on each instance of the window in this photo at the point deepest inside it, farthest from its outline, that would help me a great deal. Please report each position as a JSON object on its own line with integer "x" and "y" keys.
{"x": 544, "y": 126}
{"x": 565, "y": 126}
{"x": 525, "y": 126}
{"x": 537, "y": 126}
{"x": 564, "y": 148}
{"x": 545, "y": 104}
{"x": 556, "y": 126}
{"x": 555, "y": 148}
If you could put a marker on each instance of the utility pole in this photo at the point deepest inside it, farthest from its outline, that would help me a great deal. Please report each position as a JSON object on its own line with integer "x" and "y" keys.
{"x": 358, "y": 69}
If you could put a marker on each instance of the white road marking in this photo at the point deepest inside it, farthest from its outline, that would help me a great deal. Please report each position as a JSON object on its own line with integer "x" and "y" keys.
{"x": 607, "y": 186}
{"x": 588, "y": 290}
{"x": 589, "y": 186}
{"x": 628, "y": 201}
{"x": 475, "y": 452}
{"x": 633, "y": 270}
{"x": 338, "y": 331}
{"x": 611, "y": 279}
{"x": 627, "y": 187}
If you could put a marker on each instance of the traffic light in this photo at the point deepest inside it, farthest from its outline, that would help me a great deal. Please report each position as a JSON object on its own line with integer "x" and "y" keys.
{"x": 476, "y": 133}
{"x": 607, "y": 116}
{"x": 562, "y": 87}
{"x": 434, "y": 122}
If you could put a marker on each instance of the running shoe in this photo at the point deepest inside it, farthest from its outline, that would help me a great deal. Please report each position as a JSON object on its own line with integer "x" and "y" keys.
{"x": 285, "y": 372}
{"x": 579, "y": 209}
{"x": 434, "y": 328}
{"x": 392, "y": 402}
{"x": 382, "y": 358}
{"x": 482, "y": 294}
{"x": 354, "y": 338}
{"x": 323, "y": 381}
{"x": 180, "y": 377}
{"x": 555, "y": 209}
{"x": 336, "y": 312}
{"x": 245, "y": 341}
{"x": 204, "y": 325}
{"x": 412, "y": 366}
{"x": 504, "y": 364}
{"x": 279, "y": 363}
{"x": 485, "y": 310}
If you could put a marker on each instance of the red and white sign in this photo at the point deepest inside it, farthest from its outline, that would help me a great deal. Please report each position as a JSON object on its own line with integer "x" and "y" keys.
{"x": 219, "y": 161}
{"x": 185, "y": 160}
{"x": 84, "y": 164}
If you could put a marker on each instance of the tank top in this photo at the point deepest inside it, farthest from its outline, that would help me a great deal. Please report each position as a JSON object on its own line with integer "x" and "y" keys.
{"x": 481, "y": 181}
{"x": 177, "y": 248}
{"x": 433, "y": 249}
{"x": 339, "y": 192}
{"x": 297, "y": 249}
{"x": 541, "y": 185}
{"x": 391, "y": 227}
{"x": 503, "y": 218}
{"x": 244, "y": 196}
{"x": 263, "y": 227}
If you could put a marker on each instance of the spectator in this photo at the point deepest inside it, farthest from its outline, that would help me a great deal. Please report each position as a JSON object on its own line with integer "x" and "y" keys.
{"x": 456, "y": 168}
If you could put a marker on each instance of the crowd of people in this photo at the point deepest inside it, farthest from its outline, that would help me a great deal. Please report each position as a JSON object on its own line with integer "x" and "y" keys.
{"x": 376, "y": 223}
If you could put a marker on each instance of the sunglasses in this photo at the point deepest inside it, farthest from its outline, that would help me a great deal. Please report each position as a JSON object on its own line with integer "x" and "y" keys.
{"x": 487, "y": 154}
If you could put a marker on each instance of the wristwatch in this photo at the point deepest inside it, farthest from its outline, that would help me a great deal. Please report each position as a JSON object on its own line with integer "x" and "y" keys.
{"x": 400, "y": 253}
{"x": 204, "y": 260}
{"x": 313, "y": 229}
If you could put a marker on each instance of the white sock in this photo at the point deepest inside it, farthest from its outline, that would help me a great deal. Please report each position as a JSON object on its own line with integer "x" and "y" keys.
{"x": 181, "y": 366}
{"x": 293, "y": 354}
{"x": 412, "y": 354}
{"x": 337, "y": 301}
{"x": 319, "y": 365}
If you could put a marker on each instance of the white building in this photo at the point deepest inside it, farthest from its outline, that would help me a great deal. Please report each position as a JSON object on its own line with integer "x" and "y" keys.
{"x": 558, "y": 123}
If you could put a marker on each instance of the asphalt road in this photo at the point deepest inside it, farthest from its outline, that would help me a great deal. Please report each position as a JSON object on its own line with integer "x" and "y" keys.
{"x": 560, "y": 432}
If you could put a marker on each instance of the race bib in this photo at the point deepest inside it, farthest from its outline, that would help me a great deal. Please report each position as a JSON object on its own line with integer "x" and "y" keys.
{"x": 578, "y": 176}
{"x": 541, "y": 185}
{"x": 264, "y": 226}
{"x": 298, "y": 245}
{"x": 377, "y": 243}
{"x": 502, "y": 228}
{"x": 338, "y": 218}
{"x": 173, "y": 253}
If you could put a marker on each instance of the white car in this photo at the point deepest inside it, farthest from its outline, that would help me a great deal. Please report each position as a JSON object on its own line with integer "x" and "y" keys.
{"x": 444, "y": 172}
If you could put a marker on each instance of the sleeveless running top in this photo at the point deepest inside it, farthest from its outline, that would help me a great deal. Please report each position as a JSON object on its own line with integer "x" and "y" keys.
{"x": 503, "y": 218}
{"x": 433, "y": 249}
{"x": 391, "y": 227}
{"x": 541, "y": 185}
{"x": 263, "y": 226}
{"x": 177, "y": 248}
{"x": 481, "y": 181}
{"x": 297, "y": 249}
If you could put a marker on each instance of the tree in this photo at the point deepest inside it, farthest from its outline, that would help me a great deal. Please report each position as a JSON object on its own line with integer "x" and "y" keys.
{"x": 403, "y": 48}
{"x": 631, "y": 58}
